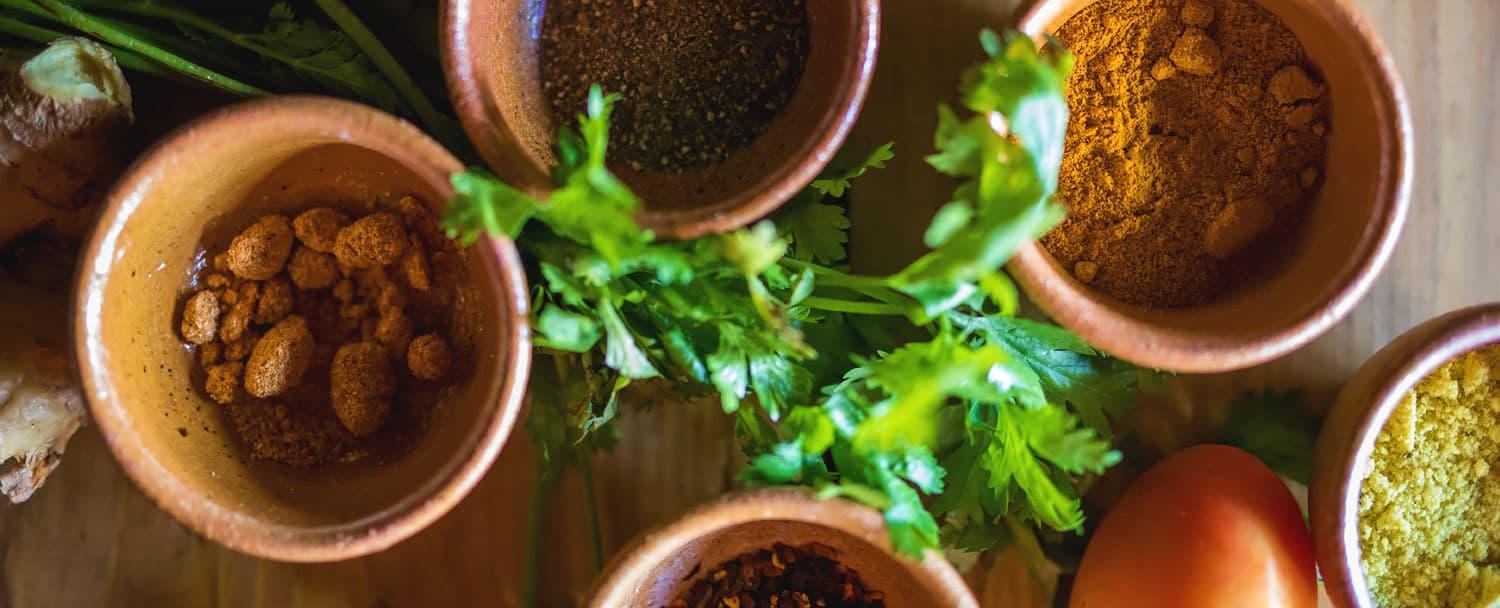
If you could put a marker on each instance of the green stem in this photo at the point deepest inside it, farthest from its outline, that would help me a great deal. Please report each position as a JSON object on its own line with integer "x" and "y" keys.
{"x": 189, "y": 19}
{"x": 390, "y": 67}
{"x": 535, "y": 519}
{"x": 26, "y": 6}
{"x": 833, "y": 278}
{"x": 853, "y": 307}
{"x": 42, "y": 35}
{"x": 78, "y": 20}
{"x": 859, "y": 493}
{"x": 591, "y": 507}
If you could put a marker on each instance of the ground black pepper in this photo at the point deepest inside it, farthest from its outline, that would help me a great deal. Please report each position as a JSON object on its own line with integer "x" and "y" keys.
{"x": 700, "y": 79}
{"x": 781, "y": 577}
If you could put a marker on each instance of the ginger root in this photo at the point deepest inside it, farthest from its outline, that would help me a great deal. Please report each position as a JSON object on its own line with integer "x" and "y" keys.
{"x": 41, "y": 405}
{"x": 63, "y": 117}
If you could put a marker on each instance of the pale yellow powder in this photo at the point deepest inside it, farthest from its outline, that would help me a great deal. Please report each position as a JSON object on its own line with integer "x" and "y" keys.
{"x": 1429, "y": 511}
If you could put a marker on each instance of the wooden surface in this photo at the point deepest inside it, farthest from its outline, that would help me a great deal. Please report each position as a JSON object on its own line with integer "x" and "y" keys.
{"x": 89, "y": 538}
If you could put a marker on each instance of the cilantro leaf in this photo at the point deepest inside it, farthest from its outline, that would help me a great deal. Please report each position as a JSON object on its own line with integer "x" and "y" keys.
{"x": 565, "y": 330}
{"x": 1020, "y": 115}
{"x": 834, "y": 184}
{"x": 818, "y": 230}
{"x": 302, "y": 47}
{"x": 1070, "y": 371}
{"x": 1277, "y": 428}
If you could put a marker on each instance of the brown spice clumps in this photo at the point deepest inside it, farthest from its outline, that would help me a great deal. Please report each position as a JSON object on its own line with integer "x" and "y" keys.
{"x": 375, "y": 240}
{"x": 275, "y": 302}
{"x": 1196, "y": 142}
{"x": 318, "y": 228}
{"x": 200, "y": 318}
{"x": 223, "y": 384}
{"x": 307, "y": 333}
{"x": 311, "y": 269}
{"x": 279, "y": 358}
{"x": 262, "y": 249}
{"x": 363, "y": 385}
{"x": 429, "y": 357}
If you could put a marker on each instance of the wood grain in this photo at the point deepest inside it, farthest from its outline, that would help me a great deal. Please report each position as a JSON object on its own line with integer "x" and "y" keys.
{"x": 89, "y": 538}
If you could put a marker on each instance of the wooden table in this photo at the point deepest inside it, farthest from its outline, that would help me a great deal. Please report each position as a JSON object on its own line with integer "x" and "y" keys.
{"x": 89, "y": 538}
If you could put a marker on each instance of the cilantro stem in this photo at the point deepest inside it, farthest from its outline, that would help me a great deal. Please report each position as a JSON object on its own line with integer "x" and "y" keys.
{"x": 591, "y": 506}
{"x": 391, "y": 68}
{"x": 833, "y": 278}
{"x": 859, "y": 493}
{"x": 535, "y": 519}
{"x": 147, "y": 8}
{"x": 853, "y": 307}
{"x": 42, "y": 35}
{"x": 78, "y": 20}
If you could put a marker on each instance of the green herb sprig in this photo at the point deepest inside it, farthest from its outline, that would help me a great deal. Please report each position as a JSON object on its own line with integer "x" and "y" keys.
{"x": 960, "y": 421}
{"x": 986, "y": 422}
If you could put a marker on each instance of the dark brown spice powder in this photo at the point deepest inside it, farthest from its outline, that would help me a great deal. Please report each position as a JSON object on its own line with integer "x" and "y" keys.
{"x": 700, "y": 79}
{"x": 781, "y": 577}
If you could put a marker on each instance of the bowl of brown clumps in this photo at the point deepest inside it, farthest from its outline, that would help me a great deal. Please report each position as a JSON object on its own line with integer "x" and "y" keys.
{"x": 1404, "y": 502}
{"x": 279, "y": 343}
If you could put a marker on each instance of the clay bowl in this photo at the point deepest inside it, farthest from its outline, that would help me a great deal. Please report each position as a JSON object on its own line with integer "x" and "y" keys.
{"x": 1348, "y": 232}
{"x": 657, "y": 566}
{"x": 1348, "y": 437}
{"x": 213, "y": 177}
{"x": 490, "y": 59}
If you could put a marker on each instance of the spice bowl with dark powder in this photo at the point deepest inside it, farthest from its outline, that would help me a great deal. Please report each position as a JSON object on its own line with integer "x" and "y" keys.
{"x": 1236, "y": 174}
{"x": 776, "y": 547}
{"x": 280, "y": 346}
{"x": 727, "y": 107}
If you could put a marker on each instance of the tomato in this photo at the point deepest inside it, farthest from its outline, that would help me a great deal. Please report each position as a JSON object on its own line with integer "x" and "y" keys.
{"x": 1209, "y": 527}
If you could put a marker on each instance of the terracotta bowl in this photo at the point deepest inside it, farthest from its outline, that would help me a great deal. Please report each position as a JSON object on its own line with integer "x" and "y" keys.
{"x": 211, "y": 178}
{"x": 490, "y": 59}
{"x": 659, "y": 565}
{"x": 1348, "y": 233}
{"x": 1348, "y": 437}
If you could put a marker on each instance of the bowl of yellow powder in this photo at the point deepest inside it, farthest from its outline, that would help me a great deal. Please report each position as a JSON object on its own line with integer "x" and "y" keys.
{"x": 1235, "y": 173}
{"x": 1405, "y": 495}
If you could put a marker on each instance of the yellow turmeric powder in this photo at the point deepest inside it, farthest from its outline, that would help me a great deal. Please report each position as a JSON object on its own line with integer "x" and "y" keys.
{"x": 1196, "y": 140}
{"x": 1429, "y": 510}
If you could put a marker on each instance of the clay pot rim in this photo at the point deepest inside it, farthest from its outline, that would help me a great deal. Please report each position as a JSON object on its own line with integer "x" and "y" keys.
{"x": 1153, "y": 344}
{"x": 469, "y": 86}
{"x": 1377, "y": 391}
{"x": 765, "y": 505}
{"x": 335, "y": 121}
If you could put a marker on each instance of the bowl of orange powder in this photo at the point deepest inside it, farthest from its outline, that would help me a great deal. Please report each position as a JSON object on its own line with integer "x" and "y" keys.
{"x": 1236, "y": 174}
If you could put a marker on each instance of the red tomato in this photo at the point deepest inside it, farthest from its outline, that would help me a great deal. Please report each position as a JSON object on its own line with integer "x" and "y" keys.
{"x": 1209, "y": 527}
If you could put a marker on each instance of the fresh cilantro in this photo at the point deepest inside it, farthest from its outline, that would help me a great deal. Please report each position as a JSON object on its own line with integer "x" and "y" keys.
{"x": 1019, "y": 116}
{"x": 818, "y": 229}
{"x": 948, "y": 414}
{"x": 836, "y": 183}
{"x": 1277, "y": 428}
